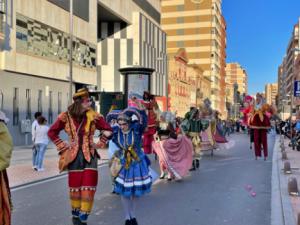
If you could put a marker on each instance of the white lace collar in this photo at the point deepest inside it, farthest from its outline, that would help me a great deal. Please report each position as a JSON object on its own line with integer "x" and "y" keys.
{"x": 3, "y": 117}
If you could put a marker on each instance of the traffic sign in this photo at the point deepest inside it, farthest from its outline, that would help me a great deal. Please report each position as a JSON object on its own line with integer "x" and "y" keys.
{"x": 297, "y": 88}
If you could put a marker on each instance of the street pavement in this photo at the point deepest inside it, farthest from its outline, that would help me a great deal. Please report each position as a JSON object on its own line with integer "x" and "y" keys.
{"x": 230, "y": 188}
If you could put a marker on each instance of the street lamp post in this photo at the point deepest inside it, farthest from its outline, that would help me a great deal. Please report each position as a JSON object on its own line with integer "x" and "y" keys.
{"x": 162, "y": 59}
{"x": 71, "y": 53}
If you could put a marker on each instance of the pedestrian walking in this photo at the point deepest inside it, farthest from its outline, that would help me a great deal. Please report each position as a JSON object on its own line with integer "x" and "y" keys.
{"x": 6, "y": 146}
{"x": 237, "y": 125}
{"x": 80, "y": 123}
{"x": 227, "y": 128}
{"x": 133, "y": 179}
{"x": 33, "y": 129}
{"x": 41, "y": 142}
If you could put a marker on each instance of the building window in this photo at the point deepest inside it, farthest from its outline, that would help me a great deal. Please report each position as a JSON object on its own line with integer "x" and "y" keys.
{"x": 28, "y": 104}
{"x": 16, "y": 107}
{"x": 180, "y": 19}
{"x": 50, "y": 109}
{"x": 40, "y": 102}
{"x": 180, "y": 44}
{"x": 59, "y": 102}
{"x": 2, "y": 15}
{"x": 180, "y": 32}
{"x": 180, "y": 8}
{"x": 41, "y": 40}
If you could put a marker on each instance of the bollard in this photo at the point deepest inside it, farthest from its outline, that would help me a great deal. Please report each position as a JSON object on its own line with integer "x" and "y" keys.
{"x": 282, "y": 149}
{"x": 298, "y": 219}
{"x": 293, "y": 186}
{"x": 284, "y": 156}
{"x": 287, "y": 168}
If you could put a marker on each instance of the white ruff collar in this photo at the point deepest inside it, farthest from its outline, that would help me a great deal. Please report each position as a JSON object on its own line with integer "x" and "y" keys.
{"x": 3, "y": 117}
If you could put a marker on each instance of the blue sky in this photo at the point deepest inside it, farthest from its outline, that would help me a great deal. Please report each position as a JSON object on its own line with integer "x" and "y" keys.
{"x": 258, "y": 32}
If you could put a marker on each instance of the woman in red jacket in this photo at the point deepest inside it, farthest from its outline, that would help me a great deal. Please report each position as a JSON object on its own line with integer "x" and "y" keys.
{"x": 80, "y": 123}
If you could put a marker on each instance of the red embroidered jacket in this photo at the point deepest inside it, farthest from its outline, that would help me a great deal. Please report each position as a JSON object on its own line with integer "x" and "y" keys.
{"x": 84, "y": 136}
{"x": 260, "y": 121}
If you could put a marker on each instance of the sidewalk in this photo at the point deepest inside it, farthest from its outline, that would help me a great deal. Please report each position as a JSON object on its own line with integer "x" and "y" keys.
{"x": 282, "y": 203}
{"x": 20, "y": 171}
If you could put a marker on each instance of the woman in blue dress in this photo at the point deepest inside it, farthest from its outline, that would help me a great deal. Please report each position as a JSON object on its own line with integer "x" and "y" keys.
{"x": 134, "y": 179}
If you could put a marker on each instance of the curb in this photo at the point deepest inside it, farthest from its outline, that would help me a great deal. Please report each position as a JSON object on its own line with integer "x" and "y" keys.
{"x": 281, "y": 207}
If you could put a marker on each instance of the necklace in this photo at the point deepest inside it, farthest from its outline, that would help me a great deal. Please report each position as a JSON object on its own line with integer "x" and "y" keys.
{"x": 126, "y": 139}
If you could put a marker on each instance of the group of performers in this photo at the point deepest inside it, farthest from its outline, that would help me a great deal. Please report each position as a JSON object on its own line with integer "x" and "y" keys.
{"x": 134, "y": 133}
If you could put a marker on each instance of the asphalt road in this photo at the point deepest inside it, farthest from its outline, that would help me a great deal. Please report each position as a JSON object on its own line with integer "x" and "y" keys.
{"x": 218, "y": 194}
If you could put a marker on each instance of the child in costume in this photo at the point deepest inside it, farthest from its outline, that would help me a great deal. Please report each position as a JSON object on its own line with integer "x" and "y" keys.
{"x": 133, "y": 179}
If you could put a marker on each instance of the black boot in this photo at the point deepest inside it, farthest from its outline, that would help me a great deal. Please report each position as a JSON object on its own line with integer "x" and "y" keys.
{"x": 197, "y": 163}
{"x": 128, "y": 222}
{"x": 134, "y": 221}
{"x": 76, "y": 221}
{"x": 193, "y": 166}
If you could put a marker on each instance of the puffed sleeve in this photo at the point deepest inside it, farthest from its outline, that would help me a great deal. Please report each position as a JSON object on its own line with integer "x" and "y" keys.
{"x": 141, "y": 126}
{"x": 102, "y": 125}
{"x": 6, "y": 146}
{"x": 54, "y": 130}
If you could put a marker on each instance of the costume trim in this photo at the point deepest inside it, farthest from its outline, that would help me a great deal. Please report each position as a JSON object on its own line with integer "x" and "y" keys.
{"x": 262, "y": 128}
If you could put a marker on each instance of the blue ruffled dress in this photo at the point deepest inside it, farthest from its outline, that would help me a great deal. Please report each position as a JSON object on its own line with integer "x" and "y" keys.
{"x": 136, "y": 180}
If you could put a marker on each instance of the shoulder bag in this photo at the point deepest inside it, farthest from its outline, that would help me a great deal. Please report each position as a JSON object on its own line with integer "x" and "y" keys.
{"x": 65, "y": 157}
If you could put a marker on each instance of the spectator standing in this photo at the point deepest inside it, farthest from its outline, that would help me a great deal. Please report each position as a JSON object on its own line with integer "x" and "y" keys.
{"x": 41, "y": 141}
{"x": 33, "y": 129}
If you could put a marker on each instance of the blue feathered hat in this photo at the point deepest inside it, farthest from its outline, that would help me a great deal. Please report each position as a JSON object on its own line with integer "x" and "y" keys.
{"x": 113, "y": 115}
{"x": 128, "y": 112}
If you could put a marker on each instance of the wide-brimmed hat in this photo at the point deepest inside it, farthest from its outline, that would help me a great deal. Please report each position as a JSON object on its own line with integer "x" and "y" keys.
{"x": 81, "y": 93}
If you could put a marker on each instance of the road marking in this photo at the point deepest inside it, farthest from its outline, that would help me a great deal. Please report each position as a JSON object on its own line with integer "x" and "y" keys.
{"x": 57, "y": 177}
{"x": 46, "y": 180}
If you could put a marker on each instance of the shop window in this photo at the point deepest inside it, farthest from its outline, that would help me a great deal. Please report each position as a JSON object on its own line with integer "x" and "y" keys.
{"x": 50, "y": 109}
{"x": 16, "y": 107}
{"x": 40, "y": 101}
{"x": 59, "y": 102}
{"x": 28, "y": 104}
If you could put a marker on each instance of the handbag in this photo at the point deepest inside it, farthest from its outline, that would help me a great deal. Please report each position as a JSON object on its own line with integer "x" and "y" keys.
{"x": 115, "y": 166}
{"x": 64, "y": 160}
{"x": 65, "y": 157}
